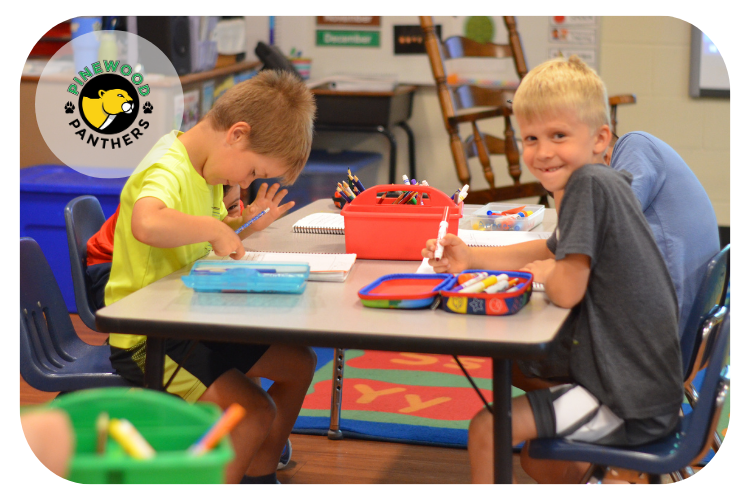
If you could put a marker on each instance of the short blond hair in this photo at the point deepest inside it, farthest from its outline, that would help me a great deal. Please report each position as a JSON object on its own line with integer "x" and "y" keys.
{"x": 280, "y": 111}
{"x": 559, "y": 85}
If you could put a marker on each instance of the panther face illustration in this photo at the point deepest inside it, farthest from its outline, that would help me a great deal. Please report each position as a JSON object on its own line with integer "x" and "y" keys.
{"x": 102, "y": 111}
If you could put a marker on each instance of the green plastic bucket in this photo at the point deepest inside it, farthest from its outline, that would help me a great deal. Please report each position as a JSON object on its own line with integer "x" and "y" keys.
{"x": 169, "y": 424}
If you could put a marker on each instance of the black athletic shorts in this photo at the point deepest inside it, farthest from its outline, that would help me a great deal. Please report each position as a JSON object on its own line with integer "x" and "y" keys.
{"x": 202, "y": 363}
{"x": 569, "y": 411}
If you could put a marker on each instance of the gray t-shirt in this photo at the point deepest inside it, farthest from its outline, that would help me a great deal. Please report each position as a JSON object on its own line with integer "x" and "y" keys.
{"x": 620, "y": 341}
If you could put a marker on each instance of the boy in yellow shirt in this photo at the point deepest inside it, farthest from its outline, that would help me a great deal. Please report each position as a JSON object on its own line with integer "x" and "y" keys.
{"x": 615, "y": 375}
{"x": 171, "y": 213}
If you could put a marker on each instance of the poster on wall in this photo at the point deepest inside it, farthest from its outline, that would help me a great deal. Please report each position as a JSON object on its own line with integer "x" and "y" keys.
{"x": 191, "y": 112}
{"x": 568, "y": 35}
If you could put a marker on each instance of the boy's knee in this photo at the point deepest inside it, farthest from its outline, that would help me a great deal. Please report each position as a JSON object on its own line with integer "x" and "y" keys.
{"x": 480, "y": 425}
{"x": 306, "y": 360}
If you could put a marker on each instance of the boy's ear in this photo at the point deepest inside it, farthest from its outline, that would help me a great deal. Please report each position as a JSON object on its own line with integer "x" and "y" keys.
{"x": 603, "y": 138}
{"x": 237, "y": 132}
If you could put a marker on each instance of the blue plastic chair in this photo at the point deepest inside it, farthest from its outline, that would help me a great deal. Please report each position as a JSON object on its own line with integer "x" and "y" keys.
{"x": 83, "y": 218}
{"x": 684, "y": 447}
{"x": 53, "y": 357}
{"x": 709, "y": 298}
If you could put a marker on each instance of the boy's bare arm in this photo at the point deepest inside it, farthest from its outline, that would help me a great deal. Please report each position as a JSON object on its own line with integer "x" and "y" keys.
{"x": 457, "y": 256}
{"x": 565, "y": 281}
{"x": 158, "y": 226}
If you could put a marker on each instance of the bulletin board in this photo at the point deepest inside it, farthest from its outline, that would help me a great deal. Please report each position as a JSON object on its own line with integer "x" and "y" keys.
{"x": 295, "y": 34}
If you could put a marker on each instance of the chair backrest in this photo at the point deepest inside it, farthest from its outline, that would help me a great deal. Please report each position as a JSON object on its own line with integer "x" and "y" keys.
{"x": 83, "y": 218}
{"x": 456, "y": 101}
{"x": 703, "y": 419}
{"x": 708, "y": 300}
{"x": 53, "y": 357}
{"x": 46, "y": 328}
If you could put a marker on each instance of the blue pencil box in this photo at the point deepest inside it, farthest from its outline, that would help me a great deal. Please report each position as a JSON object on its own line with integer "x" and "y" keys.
{"x": 231, "y": 276}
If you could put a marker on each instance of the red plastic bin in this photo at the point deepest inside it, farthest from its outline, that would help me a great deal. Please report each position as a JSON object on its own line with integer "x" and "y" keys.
{"x": 396, "y": 232}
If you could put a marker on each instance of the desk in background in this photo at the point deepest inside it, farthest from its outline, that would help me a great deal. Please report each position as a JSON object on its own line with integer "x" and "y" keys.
{"x": 369, "y": 112}
{"x": 168, "y": 309}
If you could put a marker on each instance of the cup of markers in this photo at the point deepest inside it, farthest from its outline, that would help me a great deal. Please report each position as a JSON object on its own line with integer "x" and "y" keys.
{"x": 487, "y": 292}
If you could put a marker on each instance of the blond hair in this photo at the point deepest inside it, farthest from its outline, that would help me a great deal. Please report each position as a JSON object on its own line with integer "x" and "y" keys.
{"x": 558, "y": 85}
{"x": 280, "y": 111}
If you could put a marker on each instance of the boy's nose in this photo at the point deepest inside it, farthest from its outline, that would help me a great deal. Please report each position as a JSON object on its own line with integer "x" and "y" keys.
{"x": 544, "y": 151}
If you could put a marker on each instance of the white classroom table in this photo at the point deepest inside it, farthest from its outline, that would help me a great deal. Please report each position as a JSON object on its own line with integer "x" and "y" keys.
{"x": 331, "y": 315}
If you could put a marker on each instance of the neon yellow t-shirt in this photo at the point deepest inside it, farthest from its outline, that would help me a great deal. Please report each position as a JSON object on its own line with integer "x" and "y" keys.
{"x": 167, "y": 174}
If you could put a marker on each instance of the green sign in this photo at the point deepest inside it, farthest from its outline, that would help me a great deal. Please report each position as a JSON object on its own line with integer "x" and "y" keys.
{"x": 335, "y": 38}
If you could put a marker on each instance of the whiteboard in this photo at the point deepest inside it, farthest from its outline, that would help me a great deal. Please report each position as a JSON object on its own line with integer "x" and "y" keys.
{"x": 298, "y": 33}
{"x": 708, "y": 73}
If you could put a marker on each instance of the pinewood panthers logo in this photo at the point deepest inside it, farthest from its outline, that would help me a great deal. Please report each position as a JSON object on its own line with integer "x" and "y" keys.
{"x": 101, "y": 112}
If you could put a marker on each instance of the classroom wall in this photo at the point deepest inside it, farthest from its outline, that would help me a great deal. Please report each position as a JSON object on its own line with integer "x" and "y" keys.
{"x": 645, "y": 56}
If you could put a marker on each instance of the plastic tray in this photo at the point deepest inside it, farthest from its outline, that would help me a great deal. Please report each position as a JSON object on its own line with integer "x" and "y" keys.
{"x": 169, "y": 424}
{"x": 242, "y": 276}
{"x": 404, "y": 291}
{"x": 383, "y": 231}
{"x": 480, "y": 221}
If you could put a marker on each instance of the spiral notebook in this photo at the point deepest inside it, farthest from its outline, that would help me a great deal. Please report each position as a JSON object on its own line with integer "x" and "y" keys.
{"x": 323, "y": 266}
{"x": 499, "y": 238}
{"x": 322, "y": 223}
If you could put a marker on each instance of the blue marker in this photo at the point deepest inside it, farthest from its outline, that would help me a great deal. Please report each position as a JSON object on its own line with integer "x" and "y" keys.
{"x": 247, "y": 224}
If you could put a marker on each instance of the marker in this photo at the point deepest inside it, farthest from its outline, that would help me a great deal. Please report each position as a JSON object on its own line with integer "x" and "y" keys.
{"x": 517, "y": 287}
{"x": 464, "y": 192}
{"x": 497, "y": 287}
{"x": 406, "y": 180}
{"x": 441, "y": 234}
{"x": 229, "y": 419}
{"x": 464, "y": 277}
{"x": 130, "y": 439}
{"x": 247, "y": 224}
{"x": 479, "y": 277}
{"x": 419, "y": 196}
{"x": 478, "y": 287}
{"x": 102, "y": 424}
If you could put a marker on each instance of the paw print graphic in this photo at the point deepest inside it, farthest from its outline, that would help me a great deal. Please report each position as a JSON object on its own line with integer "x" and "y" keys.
{"x": 69, "y": 107}
{"x": 147, "y": 107}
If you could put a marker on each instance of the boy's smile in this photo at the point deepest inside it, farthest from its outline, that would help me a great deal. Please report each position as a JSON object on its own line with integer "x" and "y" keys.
{"x": 559, "y": 144}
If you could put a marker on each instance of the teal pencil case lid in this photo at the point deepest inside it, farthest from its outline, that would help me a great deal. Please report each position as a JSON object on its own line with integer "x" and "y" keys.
{"x": 231, "y": 276}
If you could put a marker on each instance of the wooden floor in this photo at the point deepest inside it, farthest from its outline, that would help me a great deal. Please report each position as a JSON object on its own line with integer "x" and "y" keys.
{"x": 316, "y": 459}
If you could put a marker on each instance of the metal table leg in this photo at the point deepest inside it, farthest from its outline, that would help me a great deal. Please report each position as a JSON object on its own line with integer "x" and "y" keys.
{"x": 154, "y": 372}
{"x": 334, "y": 430}
{"x": 503, "y": 436}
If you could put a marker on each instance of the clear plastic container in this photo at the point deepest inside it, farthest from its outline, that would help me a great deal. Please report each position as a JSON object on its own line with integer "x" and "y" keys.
{"x": 481, "y": 220}
{"x": 245, "y": 276}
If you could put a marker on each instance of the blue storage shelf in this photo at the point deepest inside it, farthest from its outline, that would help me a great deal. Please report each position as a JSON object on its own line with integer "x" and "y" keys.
{"x": 45, "y": 190}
